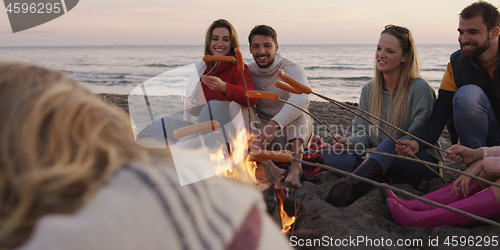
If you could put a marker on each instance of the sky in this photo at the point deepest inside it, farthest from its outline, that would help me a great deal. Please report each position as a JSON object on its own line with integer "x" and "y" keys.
{"x": 184, "y": 22}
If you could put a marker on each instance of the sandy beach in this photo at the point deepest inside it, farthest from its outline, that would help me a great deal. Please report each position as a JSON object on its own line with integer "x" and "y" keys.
{"x": 367, "y": 218}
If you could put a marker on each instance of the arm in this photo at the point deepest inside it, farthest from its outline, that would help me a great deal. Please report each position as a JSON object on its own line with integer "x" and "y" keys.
{"x": 422, "y": 99}
{"x": 491, "y": 166}
{"x": 491, "y": 160}
{"x": 441, "y": 113}
{"x": 236, "y": 91}
{"x": 459, "y": 153}
{"x": 491, "y": 151}
{"x": 360, "y": 134}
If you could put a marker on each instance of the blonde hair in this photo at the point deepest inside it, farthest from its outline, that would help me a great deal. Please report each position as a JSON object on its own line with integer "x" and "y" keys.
{"x": 221, "y": 23}
{"x": 409, "y": 72}
{"x": 58, "y": 144}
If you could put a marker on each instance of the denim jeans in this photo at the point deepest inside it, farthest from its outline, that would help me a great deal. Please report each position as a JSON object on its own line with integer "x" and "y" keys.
{"x": 399, "y": 167}
{"x": 474, "y": 118}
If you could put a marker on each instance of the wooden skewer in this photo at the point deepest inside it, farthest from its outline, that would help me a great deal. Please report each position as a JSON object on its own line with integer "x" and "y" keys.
{"x": 398, "y": 190}
{"x": 241, "y": 69}
{"x": 417, "y": 161}
{"x": 306, "y": 90}
{"x": 300, "y": 87}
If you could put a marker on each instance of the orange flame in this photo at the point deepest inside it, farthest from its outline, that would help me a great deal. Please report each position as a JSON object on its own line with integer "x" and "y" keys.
{"x": 239, "y": 167}
{"x": 286, "y": 221}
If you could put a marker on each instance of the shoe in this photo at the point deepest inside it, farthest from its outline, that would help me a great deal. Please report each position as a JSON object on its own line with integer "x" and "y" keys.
{"x": 346, "y": 191}
{"x": 442, "y": 195}
{"x": 482, "y": 204}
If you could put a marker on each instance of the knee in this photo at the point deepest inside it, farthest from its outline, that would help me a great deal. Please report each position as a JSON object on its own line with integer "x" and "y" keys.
{"x": 216, "y": 105}
{"x": 469, "y": 96}
{"x": 387, "y": 146}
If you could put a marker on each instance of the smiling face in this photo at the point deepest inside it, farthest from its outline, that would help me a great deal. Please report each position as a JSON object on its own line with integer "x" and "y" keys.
{"x": 473, "y": 37}
{"x": 220, "y": 44}
{"x": 263, "y": 50}
{"x": 389, "y": 54}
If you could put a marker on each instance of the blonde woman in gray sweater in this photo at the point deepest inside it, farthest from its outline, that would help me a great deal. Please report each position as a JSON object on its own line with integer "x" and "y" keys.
{"x": 397, "y": 95}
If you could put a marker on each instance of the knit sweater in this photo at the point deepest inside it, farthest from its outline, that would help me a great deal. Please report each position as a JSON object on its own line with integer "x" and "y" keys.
{"x": 264, "y": 79}
{"x": 228, "y": 72}
{"x": 146, "y": 208}
{"x": 421, "y": 99}
{"x": 491, "y": 159}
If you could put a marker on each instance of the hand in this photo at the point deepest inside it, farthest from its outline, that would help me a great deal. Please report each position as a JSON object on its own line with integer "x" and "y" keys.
{"x": 458, "y": 153}
{"x": 265, "y": 135}
{"x": 343, "y": 143}
{"x": 462, "y": 183}
{"x": 215, "y": 83}
{"x": 407, "y": 148}
{"x": 192, "y": 106}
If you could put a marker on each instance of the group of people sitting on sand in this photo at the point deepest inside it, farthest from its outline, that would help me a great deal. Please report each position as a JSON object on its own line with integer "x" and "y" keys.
{"x": 69, "y": 161}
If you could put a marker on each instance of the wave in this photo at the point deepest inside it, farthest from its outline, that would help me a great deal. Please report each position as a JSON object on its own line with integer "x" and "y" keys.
{"x": 161, "y": 65}
{"x": 335, "y": 68}
{"x": 359, "y": 78}
{"x": 435, "y": 69}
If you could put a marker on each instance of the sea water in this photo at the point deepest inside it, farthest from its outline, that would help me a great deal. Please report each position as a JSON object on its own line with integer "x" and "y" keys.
{"x": 337, "y": 71}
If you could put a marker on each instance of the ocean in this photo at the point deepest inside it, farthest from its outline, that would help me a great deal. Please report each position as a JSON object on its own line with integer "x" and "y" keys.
{"x": 337, "y": 71}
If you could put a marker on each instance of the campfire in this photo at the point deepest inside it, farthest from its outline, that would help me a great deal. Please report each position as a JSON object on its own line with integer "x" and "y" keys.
{"x": 233, "y": 161}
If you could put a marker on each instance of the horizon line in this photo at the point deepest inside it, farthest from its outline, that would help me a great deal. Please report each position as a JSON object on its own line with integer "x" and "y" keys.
{"x": 107, "y": 45}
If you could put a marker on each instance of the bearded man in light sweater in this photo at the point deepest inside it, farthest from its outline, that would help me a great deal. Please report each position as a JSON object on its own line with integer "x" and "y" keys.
{"x": 281, "y": 125}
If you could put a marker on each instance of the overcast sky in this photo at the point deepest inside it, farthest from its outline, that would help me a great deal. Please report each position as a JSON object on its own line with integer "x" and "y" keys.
{"x": 157, "y": 22}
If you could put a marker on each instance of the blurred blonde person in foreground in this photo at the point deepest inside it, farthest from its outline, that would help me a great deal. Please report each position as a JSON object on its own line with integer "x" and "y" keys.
{"x": 72, "y": 177}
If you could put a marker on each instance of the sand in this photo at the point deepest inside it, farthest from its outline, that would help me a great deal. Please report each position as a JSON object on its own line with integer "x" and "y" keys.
{"x": 367, "y": 219}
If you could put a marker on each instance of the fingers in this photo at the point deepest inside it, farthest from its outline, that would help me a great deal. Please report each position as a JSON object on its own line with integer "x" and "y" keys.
{"x": 461, "y": 186}
{"x": 213, "y": 82}
{"x": 465, "y": 186}
{"x": 454, "y": 153}
{"x": 405, "y": 148}
{"x": 342, "y": 142}
{"x": 456, "y": 185}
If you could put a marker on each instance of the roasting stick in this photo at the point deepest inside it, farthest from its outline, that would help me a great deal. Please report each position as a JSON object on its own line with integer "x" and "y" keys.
{"x": 284, "y": 157}
{"x": 216, "y": 60}
{"x": 306, "y": 90}
{"x": 276, "y": 97}
{"x": 147, "y": 101}
{"x": 417, "y": 161}
{"x": 241, "y": 68}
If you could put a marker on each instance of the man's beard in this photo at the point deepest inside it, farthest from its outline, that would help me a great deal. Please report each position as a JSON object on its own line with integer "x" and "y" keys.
{"x": 477, "y": 51}
{"x": 265, "y": 65}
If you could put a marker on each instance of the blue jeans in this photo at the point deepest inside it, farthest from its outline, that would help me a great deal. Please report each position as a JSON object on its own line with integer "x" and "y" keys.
{"x": 163, "y": 127}
{"x": 399, "y": 167}
{"x": 474, "y": 118}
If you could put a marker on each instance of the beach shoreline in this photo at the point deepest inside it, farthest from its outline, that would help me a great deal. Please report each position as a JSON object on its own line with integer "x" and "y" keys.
{"x": 368, "y": 217}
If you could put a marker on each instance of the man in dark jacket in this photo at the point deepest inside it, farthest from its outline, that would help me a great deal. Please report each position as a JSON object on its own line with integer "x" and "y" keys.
{"x": 470, "y": 90}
